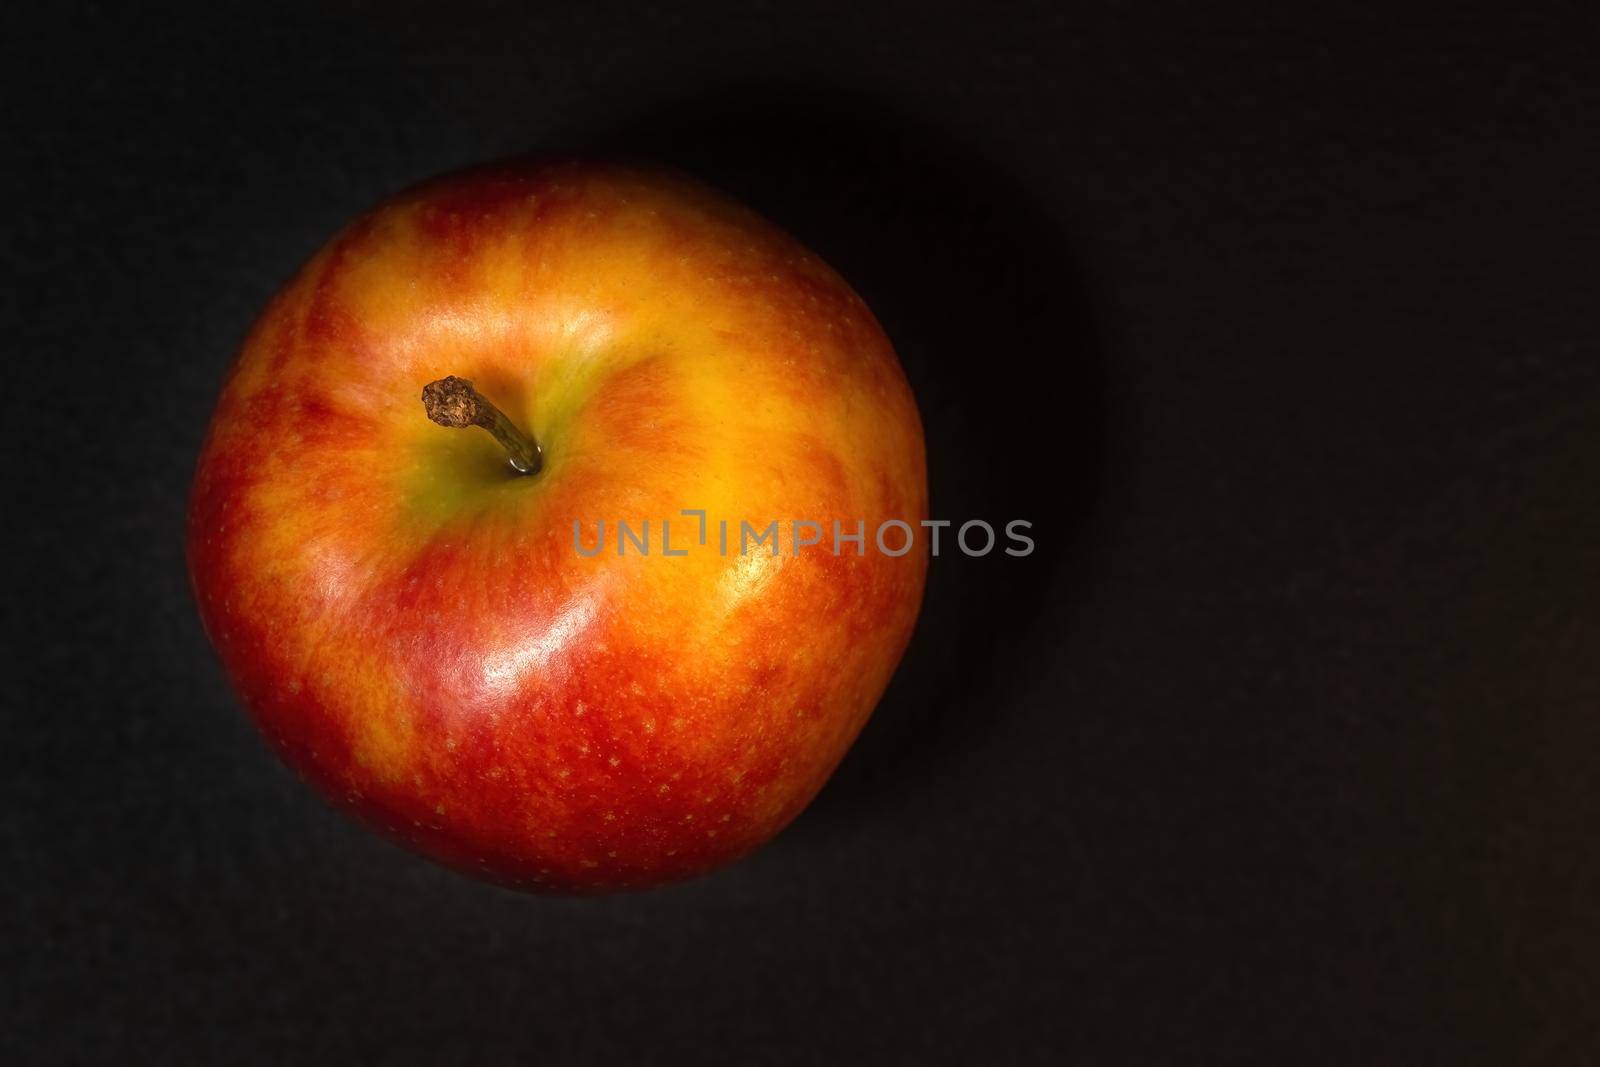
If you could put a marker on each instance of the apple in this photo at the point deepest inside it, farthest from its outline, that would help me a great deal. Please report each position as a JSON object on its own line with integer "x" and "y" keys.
{"x": 415, "y": 612}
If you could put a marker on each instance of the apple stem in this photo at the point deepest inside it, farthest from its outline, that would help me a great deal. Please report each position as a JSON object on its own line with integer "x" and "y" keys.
{"x": 453, "y": 402}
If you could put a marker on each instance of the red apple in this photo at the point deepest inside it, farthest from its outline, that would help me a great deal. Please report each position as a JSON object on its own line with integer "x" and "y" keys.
{"x": 408, "y": 617}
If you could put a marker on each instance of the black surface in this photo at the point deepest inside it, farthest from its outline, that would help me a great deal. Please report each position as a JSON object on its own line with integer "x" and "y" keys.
{"x": 1278, "y": 319}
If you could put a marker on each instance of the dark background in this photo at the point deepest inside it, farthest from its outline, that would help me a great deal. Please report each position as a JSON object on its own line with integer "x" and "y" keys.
{"x": 1278, "y": 320}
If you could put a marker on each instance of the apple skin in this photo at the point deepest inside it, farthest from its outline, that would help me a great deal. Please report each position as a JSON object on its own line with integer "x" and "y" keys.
{"x": 409, "y": 622}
